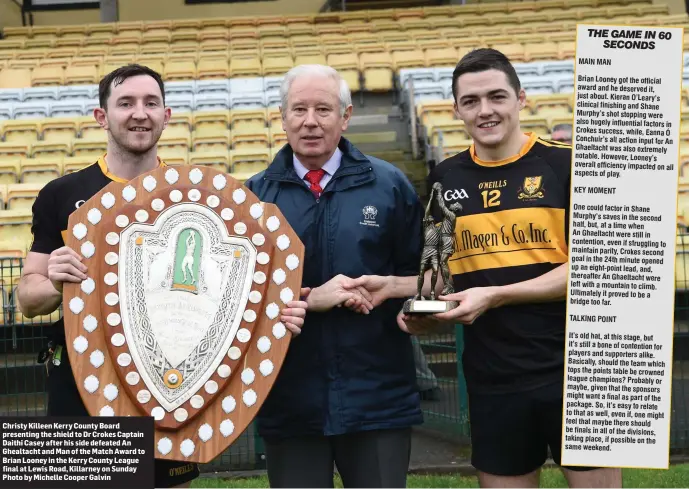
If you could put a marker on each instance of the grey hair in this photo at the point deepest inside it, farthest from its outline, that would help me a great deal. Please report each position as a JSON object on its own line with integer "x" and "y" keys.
{"x": 316, "y": 70}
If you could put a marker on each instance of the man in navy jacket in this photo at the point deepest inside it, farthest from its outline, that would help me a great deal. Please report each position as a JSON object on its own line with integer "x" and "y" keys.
{"x": 347, "y": 393}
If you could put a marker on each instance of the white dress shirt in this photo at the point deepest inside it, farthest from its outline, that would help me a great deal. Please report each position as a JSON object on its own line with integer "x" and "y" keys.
{"x": 330, "y": 168}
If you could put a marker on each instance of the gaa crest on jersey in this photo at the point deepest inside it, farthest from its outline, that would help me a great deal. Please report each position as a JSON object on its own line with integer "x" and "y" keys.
{"x": 532, "y": 189}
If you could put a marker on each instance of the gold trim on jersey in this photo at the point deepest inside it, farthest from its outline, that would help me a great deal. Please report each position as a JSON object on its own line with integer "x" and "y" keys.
{"x": 509, "y": 238}
{"x": 524, "y": 149}
{"x": 106, "y": 171}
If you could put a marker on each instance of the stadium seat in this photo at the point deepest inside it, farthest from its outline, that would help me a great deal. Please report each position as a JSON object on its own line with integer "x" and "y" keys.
{"x": 180, "y": 102}
{"x": 71, "y": 164}
{"x": 47, "y": 148}
{"x": 47, "y": 76}
{"x": 212, "y": 101}
{"x": 10, "y": 168}
{"x": 19, "y": 131}
{"x": 213, "y": 142}
{"x": 69, "y": 107}
{"x": 182, "y": 87}
{"x": 377, "y": 70}
{"x": 41, "y": 170}
{"x": 77, "y": 91}
{"x": 15, "y": 229}
{"x": 247, "y": 100}
{"x": 214, "y": 159}
{"x": 15, "y": 78}
{"x": 9, "y": 95}
{"x": 34, "y": 94}
{"x": 22, "y": 195}
{"x": 249, "y": 161}
{"x": 59, "y": 130}
{"x": 211, "y": 123}
{"x": 204, "y": 87}
{"x": 31, "y": 110}
{"x": 78, "y": 75}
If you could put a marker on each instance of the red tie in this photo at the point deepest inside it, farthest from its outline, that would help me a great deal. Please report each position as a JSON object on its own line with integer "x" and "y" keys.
{"x": 314, "y": 178}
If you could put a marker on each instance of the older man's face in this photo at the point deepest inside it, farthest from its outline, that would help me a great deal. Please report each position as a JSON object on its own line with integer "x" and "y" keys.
{"x": 313, "y": 120}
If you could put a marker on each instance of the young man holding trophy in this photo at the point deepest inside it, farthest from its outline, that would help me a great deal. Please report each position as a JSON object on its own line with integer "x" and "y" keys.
{"x": 507, "y": 278}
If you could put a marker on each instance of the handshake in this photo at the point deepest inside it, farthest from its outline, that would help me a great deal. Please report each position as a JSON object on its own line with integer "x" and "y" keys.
{"x": 361, "y": 294}
{"x": 367, "y": 292}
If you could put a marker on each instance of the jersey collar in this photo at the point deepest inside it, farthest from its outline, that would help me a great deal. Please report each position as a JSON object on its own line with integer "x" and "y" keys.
{"x": 524, "y": 149}
{"x": 106, "y": 171}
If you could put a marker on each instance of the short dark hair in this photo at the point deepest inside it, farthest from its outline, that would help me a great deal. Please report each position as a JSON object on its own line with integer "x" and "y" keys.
{"x": 120, "y": 75}
{"x": 485, "y": 59}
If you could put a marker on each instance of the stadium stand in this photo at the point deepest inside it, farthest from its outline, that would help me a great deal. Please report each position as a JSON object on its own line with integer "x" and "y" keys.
{"x": 223, "y": 75}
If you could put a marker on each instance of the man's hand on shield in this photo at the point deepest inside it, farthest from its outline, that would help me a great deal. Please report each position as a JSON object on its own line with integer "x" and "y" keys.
{"x": 293, "y": 315}
{"x": 65, "y": 265}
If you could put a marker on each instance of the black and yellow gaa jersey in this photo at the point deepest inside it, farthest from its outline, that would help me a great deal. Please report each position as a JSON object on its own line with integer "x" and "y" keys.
{"x": 55, "y": 203}
{"x": 513, "y": 227}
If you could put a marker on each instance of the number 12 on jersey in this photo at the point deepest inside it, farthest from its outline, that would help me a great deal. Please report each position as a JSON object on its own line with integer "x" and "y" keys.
{"x": 491, "y": 198}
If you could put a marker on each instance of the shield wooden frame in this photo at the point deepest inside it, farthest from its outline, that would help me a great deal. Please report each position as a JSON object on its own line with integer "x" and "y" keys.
{"x": 93, "y": 322}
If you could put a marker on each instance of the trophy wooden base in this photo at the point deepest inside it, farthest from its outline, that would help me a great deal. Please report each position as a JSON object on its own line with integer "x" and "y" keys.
{"x": 427, "y": 306}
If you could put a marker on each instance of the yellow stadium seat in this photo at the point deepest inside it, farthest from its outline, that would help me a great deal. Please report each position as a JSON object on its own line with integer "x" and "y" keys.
{"x": 213, "y": 46}
{"x": 15, "y": 78}
{"x": 213, "y": 68}
{"x": 441, "y": 57}
{"x": 219, "y": 160}
{"x": 41, "y": 170}
{"x": 435, "y": 112}
{"x": 536, "y": 124}
{"x": 89, "y": 129}
{"x": 250, "y": 139}
{"x": 542, "y": 51}
{"x": 409, "y": 59}
{"x": 22, "y": 195}
{"x": 219, "y": 141}
{"x": 274, "y": 118}
{"x": 307, "y": 59}
{"x": 12, "y": 150}
{"x": 70, "y": 164}
{"x": 457, "y": 146}
{"x": 173, "y": 156}
{"x": 377, "y": 71}
{"x": 93, "y": 51}
{"x": 247, "y": 120}
{"x": 450, "y": 133}
{"x": 348, "y": 67}
{"x": 47, "y": 76}
{"x": 277, "y": 66}
{"x": 15, "y": 229}
{"x": 50, "y": 148}
{"x": 23, "y": 64}
{"x": 61, "y": 63}
{"x": 550, "y": 105}
{"x": 278, "y": 138}
{"x": 89, "y": 147}
{"x": 249, "y": 161}
{"x": 245, "y": 67}
{"x": 179, "y": 70}
{"x": 514, "y": 51}
{"x": 211, "y": 122}
{"x": 81, "y": 75}
{"x": 19, "y": 131}
{"x": 10, "y": 169}
{"x": 59, "y": 130}
{"x": 566, "y": 49}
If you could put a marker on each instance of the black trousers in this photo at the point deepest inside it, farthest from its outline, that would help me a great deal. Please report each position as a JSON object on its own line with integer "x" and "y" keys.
{"x": 366, "y": 459}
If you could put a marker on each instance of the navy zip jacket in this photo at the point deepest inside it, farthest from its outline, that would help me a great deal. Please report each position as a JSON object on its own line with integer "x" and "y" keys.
{"x": 346, "y": 371}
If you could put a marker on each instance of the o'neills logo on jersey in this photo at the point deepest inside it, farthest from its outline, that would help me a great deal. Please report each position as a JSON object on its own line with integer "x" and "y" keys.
{"x": 532, "y": 189}
{"x": 455, "y": 194}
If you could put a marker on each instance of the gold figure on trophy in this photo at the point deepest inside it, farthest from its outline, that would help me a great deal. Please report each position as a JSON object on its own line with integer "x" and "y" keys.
{"x": 438, "y": 247}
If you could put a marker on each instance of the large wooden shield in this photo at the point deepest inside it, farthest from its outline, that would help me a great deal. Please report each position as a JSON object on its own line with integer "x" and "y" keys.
{"x": 179, "y": 319}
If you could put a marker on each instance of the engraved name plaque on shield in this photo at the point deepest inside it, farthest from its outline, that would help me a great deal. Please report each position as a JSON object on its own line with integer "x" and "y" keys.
{"x": 179, "y": 319}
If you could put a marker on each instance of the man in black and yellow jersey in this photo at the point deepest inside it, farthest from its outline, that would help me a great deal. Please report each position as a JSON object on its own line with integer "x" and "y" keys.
{"x": 133, "y": 113}
{"x": 509, "y": 271}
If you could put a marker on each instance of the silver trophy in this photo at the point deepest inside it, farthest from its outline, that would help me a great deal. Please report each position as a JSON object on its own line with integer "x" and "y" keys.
{"x": 438, "y": 247}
